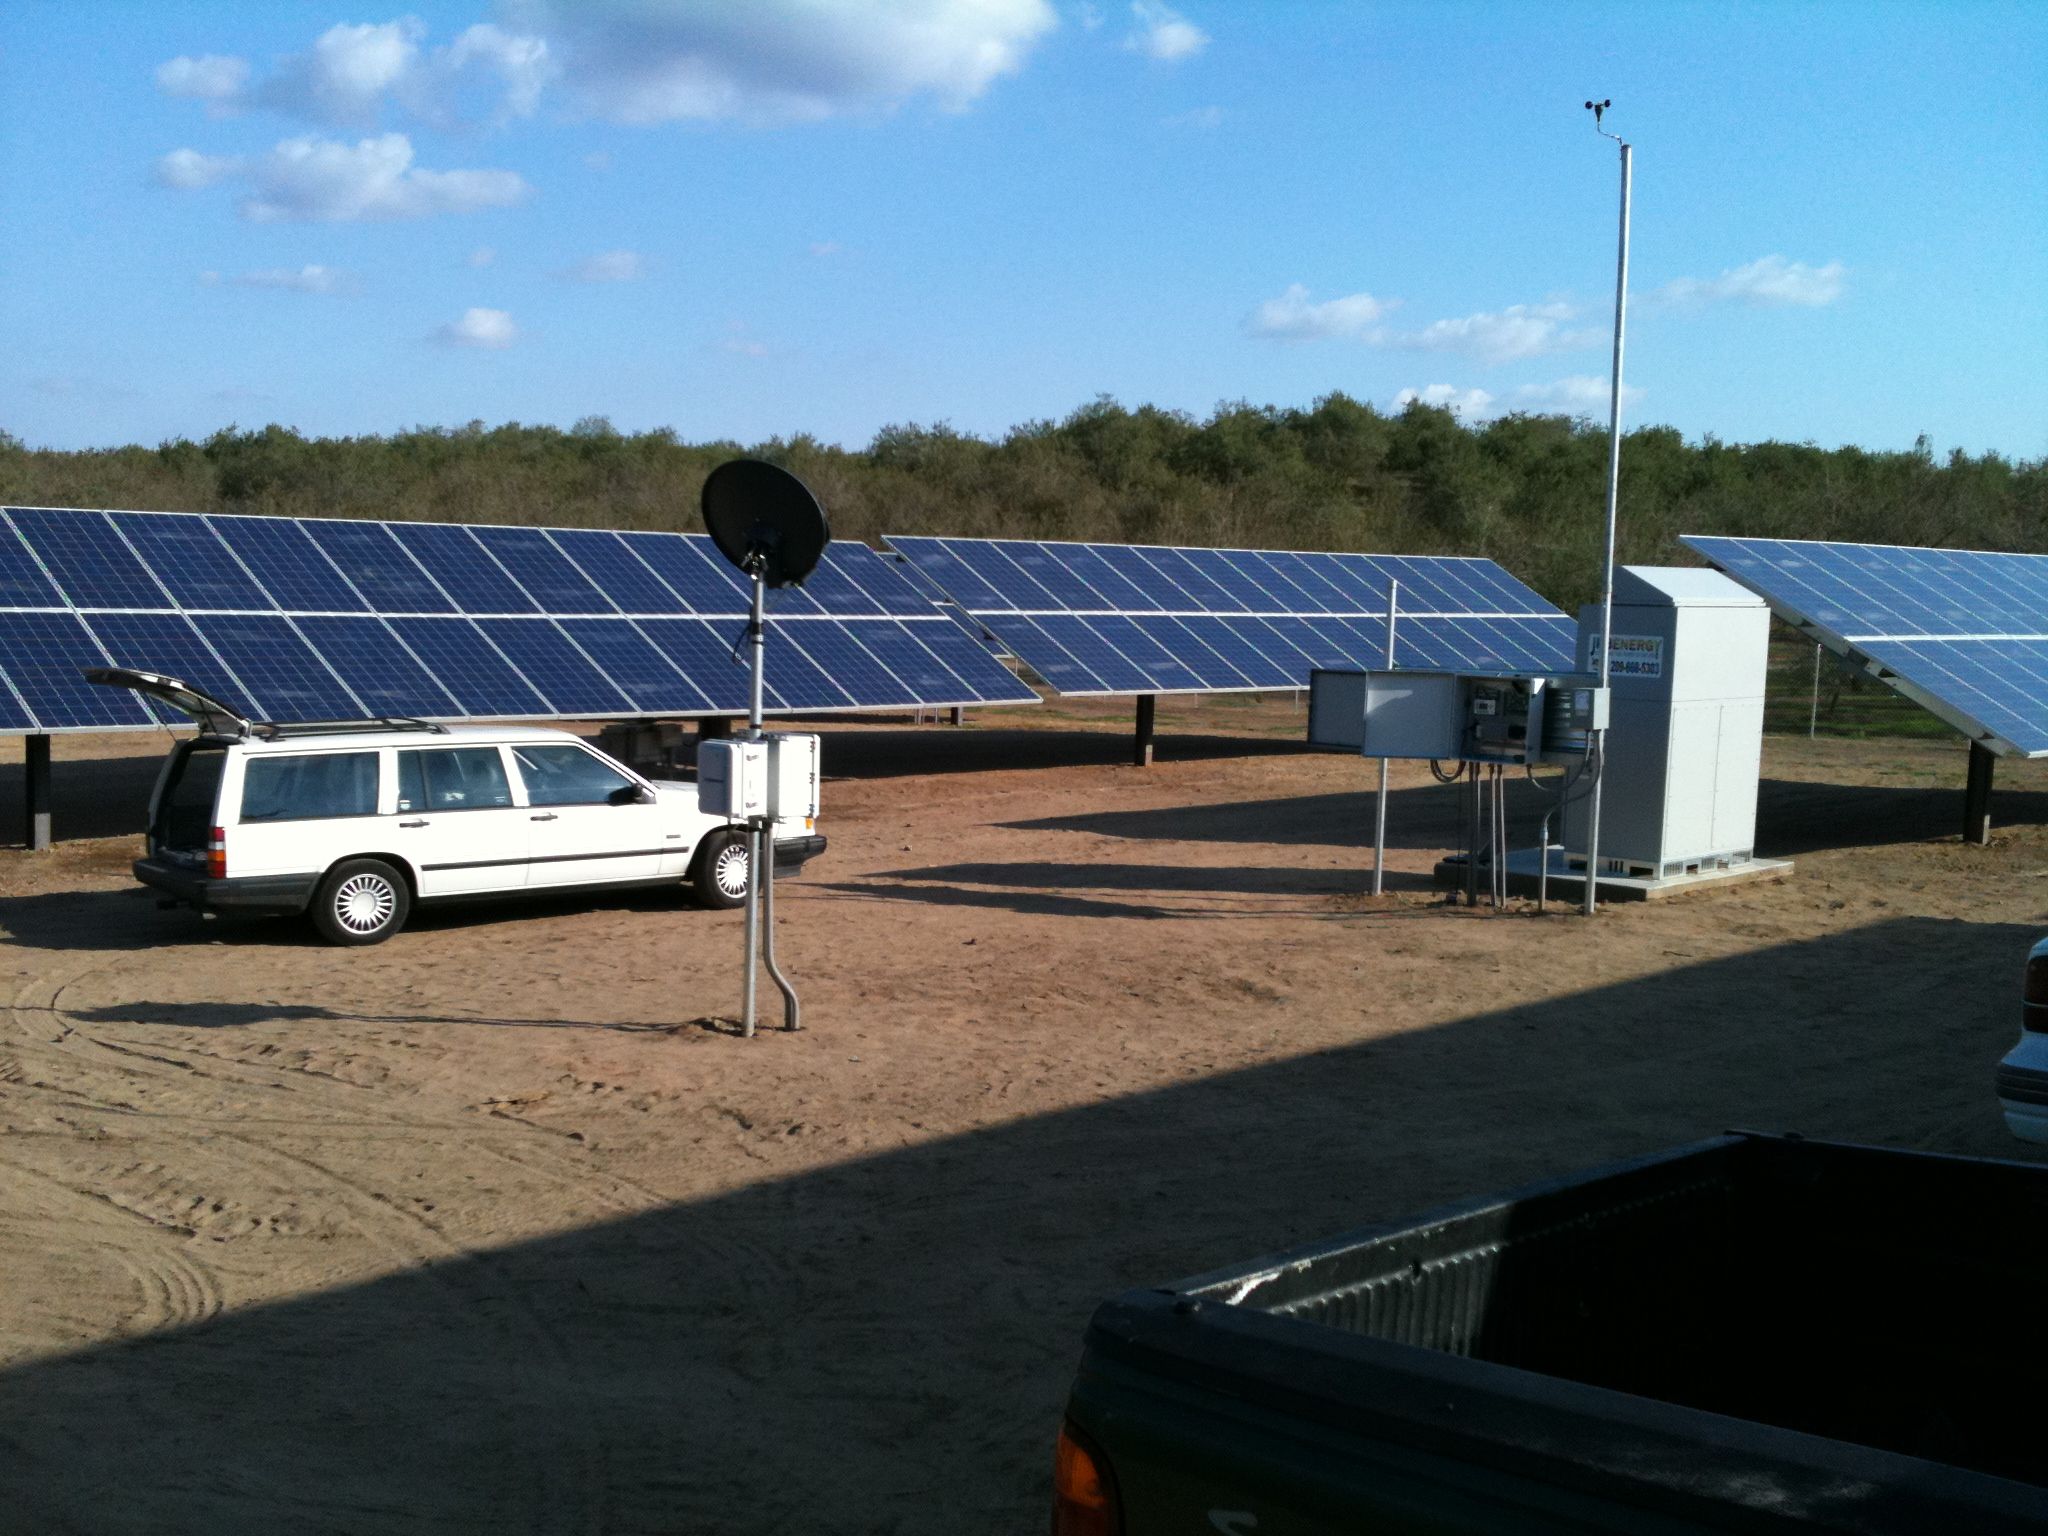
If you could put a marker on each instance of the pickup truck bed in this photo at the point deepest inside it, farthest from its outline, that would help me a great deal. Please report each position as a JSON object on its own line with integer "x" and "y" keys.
{"x": 1751, "y": 1334}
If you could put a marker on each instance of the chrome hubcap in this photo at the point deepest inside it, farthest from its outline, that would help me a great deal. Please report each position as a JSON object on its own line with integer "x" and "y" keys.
{"x": 729, "y": 869}
{"x": 364, "y": 903}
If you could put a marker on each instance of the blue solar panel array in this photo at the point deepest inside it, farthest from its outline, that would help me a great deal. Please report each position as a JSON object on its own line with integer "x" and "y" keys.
{"x": 1963, "y": 633}
{"x": 311, "y": 619}
{"x": 1122, "y": 618}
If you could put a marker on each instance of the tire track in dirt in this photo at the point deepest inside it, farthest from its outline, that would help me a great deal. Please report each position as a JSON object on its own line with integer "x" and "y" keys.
{"x": 571, "y": 1499}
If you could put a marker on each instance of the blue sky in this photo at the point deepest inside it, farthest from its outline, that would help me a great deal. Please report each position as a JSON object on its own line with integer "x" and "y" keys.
{"x": 826, "y": 216}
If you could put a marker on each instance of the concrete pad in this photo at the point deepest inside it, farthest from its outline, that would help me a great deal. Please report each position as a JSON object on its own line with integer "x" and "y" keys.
{"x": 1568, "y": 883}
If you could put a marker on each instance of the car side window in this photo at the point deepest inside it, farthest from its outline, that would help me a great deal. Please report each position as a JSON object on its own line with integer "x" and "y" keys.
{"x": 456, "y": 779}
{"x": 309, "y": 786}
{"x": 567, "y": 775}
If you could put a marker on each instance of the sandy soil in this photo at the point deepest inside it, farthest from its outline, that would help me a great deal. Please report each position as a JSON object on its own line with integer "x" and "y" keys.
{"x": 494, "y": 1228}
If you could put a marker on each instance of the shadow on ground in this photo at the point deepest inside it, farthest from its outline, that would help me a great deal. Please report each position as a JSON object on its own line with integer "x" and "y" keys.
{"x": 883, "y": 1345}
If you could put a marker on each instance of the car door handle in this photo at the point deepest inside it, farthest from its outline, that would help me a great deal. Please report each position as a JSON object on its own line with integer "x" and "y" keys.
{"x": 412, "y": 823}
{"x": 550, "y": 816}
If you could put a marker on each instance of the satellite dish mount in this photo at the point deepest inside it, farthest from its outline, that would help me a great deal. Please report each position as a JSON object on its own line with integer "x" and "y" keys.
{"x": 768, "y": 524}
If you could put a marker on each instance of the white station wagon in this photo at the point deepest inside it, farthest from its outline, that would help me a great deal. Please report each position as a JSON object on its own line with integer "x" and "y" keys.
{"x": 354, "y": 822}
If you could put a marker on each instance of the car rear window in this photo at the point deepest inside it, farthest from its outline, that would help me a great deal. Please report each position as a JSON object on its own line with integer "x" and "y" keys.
{"x": 185, "y": 813}
{"x": 300, "y": 788}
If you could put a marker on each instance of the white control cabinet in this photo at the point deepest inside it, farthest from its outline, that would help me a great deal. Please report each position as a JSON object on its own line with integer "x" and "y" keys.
{"x": 1685, "y": 732}
{"x": 776, "y": 776}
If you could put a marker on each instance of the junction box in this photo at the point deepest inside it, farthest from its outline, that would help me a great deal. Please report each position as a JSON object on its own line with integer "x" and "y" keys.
{"x": 773, "y": 775}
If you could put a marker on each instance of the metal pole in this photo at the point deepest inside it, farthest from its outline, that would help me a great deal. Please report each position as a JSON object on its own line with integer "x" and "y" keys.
{"x": 1813, "y": 711}
{"x": 1379, "y": 830}
{"x": 758, "y": 652}
{"x": 1613, "y": 505}
{"x": 1141, "y": 742}
{"x": 35, "y": 792}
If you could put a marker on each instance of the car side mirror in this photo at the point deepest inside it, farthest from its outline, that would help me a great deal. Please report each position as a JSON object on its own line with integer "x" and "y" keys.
{"x": 632, "y": 794}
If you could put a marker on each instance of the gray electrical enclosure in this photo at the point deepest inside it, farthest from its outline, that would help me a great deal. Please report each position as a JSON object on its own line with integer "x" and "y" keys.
{"x": 1685, "y": 732}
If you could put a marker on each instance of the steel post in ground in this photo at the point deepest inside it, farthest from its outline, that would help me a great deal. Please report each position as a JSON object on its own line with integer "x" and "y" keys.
{"x": 35, "y": 791}
{"x": 1977, "y": 795}
{"x": 1141, "y": 749}
{"x": 1379, "y": 815}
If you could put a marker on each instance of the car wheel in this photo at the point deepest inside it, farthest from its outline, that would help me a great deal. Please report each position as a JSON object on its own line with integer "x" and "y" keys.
{"x": 362, "y": 901}
{"x": 719, "y": 878}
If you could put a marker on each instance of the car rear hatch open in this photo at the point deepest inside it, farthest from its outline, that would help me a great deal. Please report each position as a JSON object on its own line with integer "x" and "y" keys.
{"x": 213, "y": 717}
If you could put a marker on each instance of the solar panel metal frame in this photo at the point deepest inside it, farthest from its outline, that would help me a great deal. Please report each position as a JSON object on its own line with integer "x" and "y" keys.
{"x": 101, "y": 537}
{"x": 1851, "y": 645}
{"x": 1359, "y": 628}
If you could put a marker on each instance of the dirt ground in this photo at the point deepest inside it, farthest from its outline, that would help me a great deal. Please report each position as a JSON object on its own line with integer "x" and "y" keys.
{"x": 492, "y": 1227}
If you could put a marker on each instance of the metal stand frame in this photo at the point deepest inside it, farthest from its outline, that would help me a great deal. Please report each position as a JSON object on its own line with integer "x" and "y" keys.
{"x": 1141, "y": 747}
{"x": 760, "y": 922}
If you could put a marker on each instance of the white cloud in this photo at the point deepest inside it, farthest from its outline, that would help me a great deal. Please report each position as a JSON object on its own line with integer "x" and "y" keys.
{"x": 188, "y": 170}
{"x": 306, "y": 279}
{"x": 490, "y": 329}
{"x": 607, "y": 267}
{"x": 1460, "y": 402}
{"x": 326, "y": 180}
{"x": 1580, "y": 394}
{"x": 1293, "y": 317}
{"x": 522, "y": 64}
{"x": 354, "y": 70}
{"x": 784, "y": 60}
{"x": 598, "y": 160}
{"x": 825, "y": 249}
{"x": 482, "y": 256}
{"x": 1089, "y": 15}
{"x": 1520, "y": 330}
{"x": 1769, "y": 281}
{"x": 345, "y": 78}
{"x": 1164, "y": 34}
{"x": 1200, "y": 117}
{"x": 214, "y": 78}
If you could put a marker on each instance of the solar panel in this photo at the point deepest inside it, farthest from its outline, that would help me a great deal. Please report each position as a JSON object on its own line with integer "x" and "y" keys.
{"x": 297, "y": 619}
{"x": 1963, "y": 633}
{"x": 1127, "y": 618}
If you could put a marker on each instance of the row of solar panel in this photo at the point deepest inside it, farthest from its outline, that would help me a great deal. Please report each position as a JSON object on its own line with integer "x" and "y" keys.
{"x": 318, "y": 667}
{"x": 1162, "y": 653}
{"x": 1999, "y": 686}
{"x": 1867, "y": 591}
{"x": 987, "y": 576}
{"x": 57, "y": 557}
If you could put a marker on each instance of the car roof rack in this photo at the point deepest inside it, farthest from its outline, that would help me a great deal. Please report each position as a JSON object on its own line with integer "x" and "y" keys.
{"x": 273, "y": 729}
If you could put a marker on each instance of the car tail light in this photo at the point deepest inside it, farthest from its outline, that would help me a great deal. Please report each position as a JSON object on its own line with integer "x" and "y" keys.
{"x": 217, "y": 854}
{"x": 1084, "y": 1499}
{"x": 2034, "y": 991}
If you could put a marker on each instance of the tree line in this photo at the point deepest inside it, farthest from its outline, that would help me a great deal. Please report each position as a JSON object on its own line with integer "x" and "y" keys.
{"x": 1526, "y": 490}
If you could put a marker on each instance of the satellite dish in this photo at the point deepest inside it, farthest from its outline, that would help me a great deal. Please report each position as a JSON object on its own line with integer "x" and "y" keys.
{"x": 765, "y": 521}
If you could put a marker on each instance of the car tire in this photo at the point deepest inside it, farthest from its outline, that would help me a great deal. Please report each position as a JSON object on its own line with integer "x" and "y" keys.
{"x": 718, "y": 876}
{"x": 362, "y": 901}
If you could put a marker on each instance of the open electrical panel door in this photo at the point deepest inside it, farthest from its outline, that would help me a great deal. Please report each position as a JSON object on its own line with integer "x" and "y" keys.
{"x": 213, "y": 717}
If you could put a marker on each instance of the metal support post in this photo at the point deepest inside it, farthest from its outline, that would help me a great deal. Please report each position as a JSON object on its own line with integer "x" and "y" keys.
{"x": 959, "y": 714}
{"x": 1613, "y": 509}
{"x": 1813, "y": 708}
{"x": 1379, "y": 818}
{"x": 1141, "y": 750}
{"x": 35, "y": 791}
{"x": 1977, "y": 795}
{"x": 757, "y": 639}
